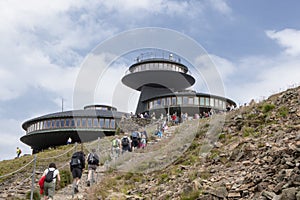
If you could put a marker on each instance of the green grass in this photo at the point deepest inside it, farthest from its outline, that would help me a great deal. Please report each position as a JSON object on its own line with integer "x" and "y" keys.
{"x": 283, "y": 111}
{"x": 267, "y": 107}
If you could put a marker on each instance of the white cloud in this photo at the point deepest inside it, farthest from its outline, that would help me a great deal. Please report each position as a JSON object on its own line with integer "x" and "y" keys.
{"x": 220, "y": 6}
{"x": 289, "y": 39}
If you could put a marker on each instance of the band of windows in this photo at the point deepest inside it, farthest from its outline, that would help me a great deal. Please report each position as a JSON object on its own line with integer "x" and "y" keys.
{"x": 188, "y": 100}
{"x": 158, "y": 66}
{"x": 73, "y": 123}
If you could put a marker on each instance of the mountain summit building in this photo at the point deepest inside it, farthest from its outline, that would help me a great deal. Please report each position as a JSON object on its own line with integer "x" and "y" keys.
{"x": 163, "y": 82}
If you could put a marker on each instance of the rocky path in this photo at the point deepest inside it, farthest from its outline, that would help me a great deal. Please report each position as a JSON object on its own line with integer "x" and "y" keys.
{"x": 67, "y": 192}
{"x": 122, "y": 165}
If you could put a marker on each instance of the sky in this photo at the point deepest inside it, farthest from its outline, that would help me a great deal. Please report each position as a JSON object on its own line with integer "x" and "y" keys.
{"x": 254, "y": 44}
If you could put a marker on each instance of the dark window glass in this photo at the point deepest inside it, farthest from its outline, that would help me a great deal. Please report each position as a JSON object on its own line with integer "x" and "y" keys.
{"x": 173, "y": 101}
{"x": 62, "y": 123}
{"x": 112, "y": 123}
{"x": 45, "y": 124}
{"x": 95, "y": 122}
{"x": 83, "y": 122}
{"x": 57, "y": 123}
{"x": 101, "y": 122}
{"x": 159, "y": 102}
{"x": 90, "y": 124}
{"x": 67, "y": 122}
{"x": 163, "y": 102}
{"x": 78, "y": 123}
{"x": 53, "y": 124}
{"x": 185, "y": 100}
{"x": 48, "y": 124}
{"x": 72, "y": 122}
{"x": 106, "y": 123}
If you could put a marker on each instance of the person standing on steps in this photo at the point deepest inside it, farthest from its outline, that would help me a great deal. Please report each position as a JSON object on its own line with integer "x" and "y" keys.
{"x": 51, "y": 175}
{"x": 77, "y": 164}
{"x": 93, "y": 163}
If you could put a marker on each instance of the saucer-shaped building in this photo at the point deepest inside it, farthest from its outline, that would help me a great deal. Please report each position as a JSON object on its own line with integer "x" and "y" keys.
{"x": 164, "y": 83}
{"x": 54, "y": 129}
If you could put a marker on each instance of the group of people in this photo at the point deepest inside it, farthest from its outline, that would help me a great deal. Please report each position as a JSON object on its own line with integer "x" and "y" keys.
{"x": 128, "y": 143}
{"x": 51, "y": 175}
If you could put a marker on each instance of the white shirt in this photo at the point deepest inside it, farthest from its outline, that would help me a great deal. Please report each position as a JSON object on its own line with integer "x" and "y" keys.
{"x": 55, "y": 173}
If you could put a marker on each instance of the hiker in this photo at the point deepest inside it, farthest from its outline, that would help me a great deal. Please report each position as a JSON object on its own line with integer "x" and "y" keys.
{"x": 51, "y": 175}
{"x": 69, "y": 141}
{"x": 135, "y": 140}
{"x": 126, "y": 143}
{"x": 116, "y": 147}
{"x": 77, "y": 164}
{"x": 93, "y": 163}
{"x": 19, "y": 151}
{"x": 143, "y": 141}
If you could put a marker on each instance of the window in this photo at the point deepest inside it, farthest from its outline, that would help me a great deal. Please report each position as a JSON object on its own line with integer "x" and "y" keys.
{"x": 48, "y": 124}
{"x": 150, "y": 104}
{"x": 83, "y": 122}
{"x": 191, "y": 100}
{"x": 206, "y": 101}
{"x": 89, "y": 122}
{"x": 57, "y": 123}
{"x": 53, "y": 124}
{"x": 163, "y": 102}
{"x": 67, "y": 122}
{"x": 173, "y": 101}
{"x": 185, "y": 100}
{"x": 106, "y": 123}
{"x": 201, "y": 101}
{"x": 62, "y": 123}
{"x": 179, "y": 100}
{"x": 101, "y": 122}
{"x": 112, "y": 123}
{"x": 196, "y": 101}
{"x": 95, "y": 122}
{"x": 45, "y": 125}
{"x": 169, "y": 101}
{"x": 212, "y": 102}
{"x": 78, "y": 124}
{"x": 72, "y": 122}
{"x": 158, "y": 102}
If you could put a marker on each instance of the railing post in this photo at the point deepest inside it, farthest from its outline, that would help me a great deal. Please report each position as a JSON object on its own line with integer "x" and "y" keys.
{"x": 75, "y": 149}
{"x": 33, "y": 177}
{"x": 98, "y": 145}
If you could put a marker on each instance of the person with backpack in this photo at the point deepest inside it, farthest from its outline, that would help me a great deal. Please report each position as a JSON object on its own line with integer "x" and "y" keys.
{"x": 51, "y": 175}
{"x": 135, "y": 140}
{"x": 125, "y": 144}
{"x": 19, "y": 151}
{"x": 115, "y": 147}
{"x": 77, "y": 164}
{"x": 93, "y": 163}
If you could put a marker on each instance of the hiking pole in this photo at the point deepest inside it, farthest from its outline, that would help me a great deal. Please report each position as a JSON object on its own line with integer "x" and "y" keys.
{"x": 32, "y": 180}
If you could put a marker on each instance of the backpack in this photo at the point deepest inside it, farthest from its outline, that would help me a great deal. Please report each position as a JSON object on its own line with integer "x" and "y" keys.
{"x": 93, "y": 159}
{"x": 49, "y": 176}
{"x": 134, "y": 134}
{"x": 75, "y": 160}
{"x": 115, "y": 143}
{"x": 125, "y": 141}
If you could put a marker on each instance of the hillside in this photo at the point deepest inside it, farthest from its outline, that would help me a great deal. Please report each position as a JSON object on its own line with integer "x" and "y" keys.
{"x": 249, "y": 153}
{"x": 255, "y": 156}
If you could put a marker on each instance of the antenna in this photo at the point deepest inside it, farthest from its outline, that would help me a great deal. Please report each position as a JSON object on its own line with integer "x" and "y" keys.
{"x": 62, "y": 104}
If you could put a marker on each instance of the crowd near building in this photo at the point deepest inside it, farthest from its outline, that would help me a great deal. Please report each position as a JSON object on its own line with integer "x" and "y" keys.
{"x": 164, "y": 83}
